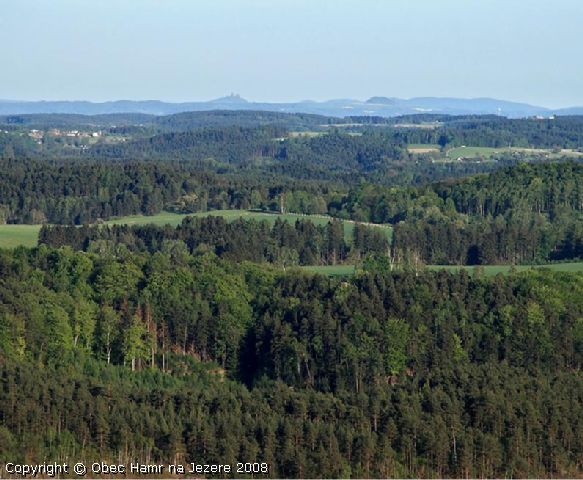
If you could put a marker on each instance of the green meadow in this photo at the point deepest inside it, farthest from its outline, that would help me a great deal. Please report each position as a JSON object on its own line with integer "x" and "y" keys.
{"x": 473, "y": 152}
{"x": 12, "y": 236}
{"x": 486, "y": 153}
{"x": 331, "y": 270}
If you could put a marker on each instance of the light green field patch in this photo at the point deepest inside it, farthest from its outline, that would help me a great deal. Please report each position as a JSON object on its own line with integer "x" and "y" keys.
{"x": 12, "y": 236}
{"x": 487, "y": 152}
{"x": 422, "y": 148}
{"x": 474, "y": 152}
{"x": 571, "y": 152}
{"x": 331, "y": 270}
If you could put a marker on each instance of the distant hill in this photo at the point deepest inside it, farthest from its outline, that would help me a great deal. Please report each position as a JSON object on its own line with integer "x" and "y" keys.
{"x": 233, "y": 99}
{"x": 173, "y": 122}
{"x": 381, "y": 101}
{"x": 374, "y": 106}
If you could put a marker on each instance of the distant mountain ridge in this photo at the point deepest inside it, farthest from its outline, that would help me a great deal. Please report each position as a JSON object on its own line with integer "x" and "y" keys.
{"x": 374, "y": 106}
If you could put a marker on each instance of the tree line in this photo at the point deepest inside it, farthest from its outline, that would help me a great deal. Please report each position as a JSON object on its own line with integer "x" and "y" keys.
{"x": 528, "y": 213}
{"x": 281, "y": 243}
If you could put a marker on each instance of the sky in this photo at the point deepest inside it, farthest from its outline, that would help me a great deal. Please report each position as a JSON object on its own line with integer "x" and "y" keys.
{"x": 291, "y": 50}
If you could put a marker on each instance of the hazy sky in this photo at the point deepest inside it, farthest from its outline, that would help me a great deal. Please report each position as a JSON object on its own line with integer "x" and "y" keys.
{"x": 282, "y": 50}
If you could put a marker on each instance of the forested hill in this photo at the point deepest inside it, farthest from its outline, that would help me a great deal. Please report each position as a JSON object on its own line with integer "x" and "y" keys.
{"x": 150, "y": 357}
{"x": 524, "y": 214}
{"x": 329, "y": 156}
{"x": 495, "y": 131}
{"x": 361, "y": 150}
{"x": 307, "y": 147}
{"x": 530, "y": 213}
{"x": 479, "y": 130}
{"x": 231, "y": 145}
{"x": 545, "y": 188}
{"x": 176, "y": 122}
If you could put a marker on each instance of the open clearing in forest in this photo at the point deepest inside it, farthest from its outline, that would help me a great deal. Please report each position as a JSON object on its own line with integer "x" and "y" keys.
{"x": 422, "y": 148}
{"x": 12, "y": 236}
{"x": 473, "y": 152}
{"x": 487, "y": 152}
{"x": 468, "y": 152}
{"x": 489, "y": 270}
{"x": 331, "y": 270}
{"x": 308, "y": 134}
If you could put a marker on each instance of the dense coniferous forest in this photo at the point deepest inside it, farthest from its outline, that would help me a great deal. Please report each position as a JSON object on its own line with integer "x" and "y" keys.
{"x": 206, "y": 342}
{"x": 389, "y": 375}
{"x": 301, "y": 243}
{"x": 34, "y": 191}
{"x": 495, "y": 131}
{"x": 524, "y": 214}
{"x": 173, "y": 123}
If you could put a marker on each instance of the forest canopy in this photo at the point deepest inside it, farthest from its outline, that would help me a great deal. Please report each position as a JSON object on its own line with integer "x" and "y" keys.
{"x": 397, "y": 374}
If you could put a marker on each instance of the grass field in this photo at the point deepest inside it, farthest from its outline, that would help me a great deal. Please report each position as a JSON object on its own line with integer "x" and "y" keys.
{"x": 12, "y": 236}
{"x": 489, "y": 270}
{"x": 473, "y": 152}
{"x": 422, "y": 148}
{"x": 487, "y": 152}
{"x": 331, "y": 270}
{"x": 457, "y": 152}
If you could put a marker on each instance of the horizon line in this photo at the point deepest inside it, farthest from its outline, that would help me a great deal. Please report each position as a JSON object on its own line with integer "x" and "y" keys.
{"x": 283, "y": 102}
